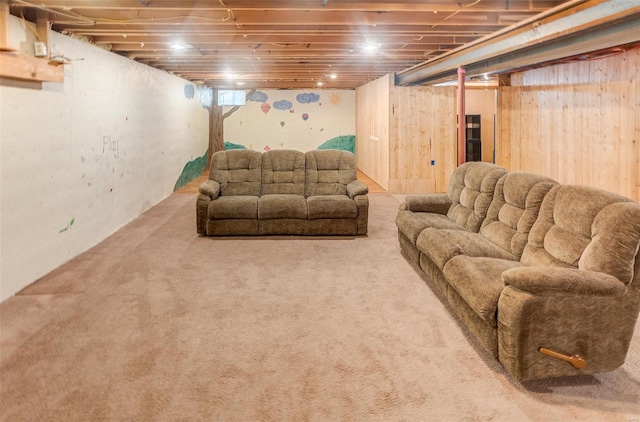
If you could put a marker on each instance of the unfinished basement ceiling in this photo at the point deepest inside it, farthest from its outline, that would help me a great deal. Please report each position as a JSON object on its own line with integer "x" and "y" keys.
{"x": 281, "y": 43}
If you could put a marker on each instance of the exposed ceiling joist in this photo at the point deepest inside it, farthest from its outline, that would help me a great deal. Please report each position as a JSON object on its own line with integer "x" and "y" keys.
{"x": 292, "y": 43}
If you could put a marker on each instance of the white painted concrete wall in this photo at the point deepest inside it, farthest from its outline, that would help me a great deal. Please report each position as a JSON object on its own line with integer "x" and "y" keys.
{"x": 81, "y": 159}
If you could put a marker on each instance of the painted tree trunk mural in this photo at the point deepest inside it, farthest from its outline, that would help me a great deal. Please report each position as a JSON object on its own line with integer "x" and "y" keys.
{"x": 216, "y": 124}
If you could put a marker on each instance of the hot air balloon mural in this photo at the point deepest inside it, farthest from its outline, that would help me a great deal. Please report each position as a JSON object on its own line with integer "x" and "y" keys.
{"x": 265, "y": 107}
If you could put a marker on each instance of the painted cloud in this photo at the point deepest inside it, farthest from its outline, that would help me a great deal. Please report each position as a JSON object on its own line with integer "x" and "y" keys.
{"x": 307, "y": 98}
{"x": 258, "y": 96}
{"x": 283, "y": 105}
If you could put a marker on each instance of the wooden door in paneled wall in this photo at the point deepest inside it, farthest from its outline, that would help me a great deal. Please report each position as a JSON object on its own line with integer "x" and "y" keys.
{"x": 576, "y": 122}
{"x": 422, "y": 141}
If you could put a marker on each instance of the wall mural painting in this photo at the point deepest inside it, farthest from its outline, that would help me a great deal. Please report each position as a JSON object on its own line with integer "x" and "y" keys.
{"x": 265, "y": 123}
{"x": 283, "y": 105}
{"x": 346, "y": 143}
{"x": 308, "y": 98}
{"x": 195, "y": 167}
{"x": 192, "y": 169}
{"x": 302, "y": 123}
{"x": 258, "y": 97}
{"x": 69, "y": 225}
{"x": 189, "y": 91}
{"x": 229, "y": 145}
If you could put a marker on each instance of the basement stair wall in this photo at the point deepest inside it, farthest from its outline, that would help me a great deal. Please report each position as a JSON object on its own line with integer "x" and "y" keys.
{"x": 81, "y": 159}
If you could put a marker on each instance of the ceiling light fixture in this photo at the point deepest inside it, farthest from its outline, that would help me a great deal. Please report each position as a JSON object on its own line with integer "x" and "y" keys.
{"x": 319, "y": 83}
{"x": 179, "y": 46}
{"x": 371, "y": 47}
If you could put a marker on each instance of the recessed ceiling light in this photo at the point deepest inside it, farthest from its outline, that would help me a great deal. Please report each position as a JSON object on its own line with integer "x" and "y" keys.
{"x": 319, "y": 83}
{"x": 179, "y": 46}
{"x": 333, "y": 76}
{"x": 371, "y": 47}
{"x": 240, "y": 83}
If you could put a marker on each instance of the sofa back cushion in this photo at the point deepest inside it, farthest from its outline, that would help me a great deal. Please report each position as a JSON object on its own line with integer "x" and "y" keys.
{"x": 328, "y": 172}
{"x": 471, "y": 190}
{"x": 515, "y": 206}
{"x": 238, "y": 171}
{"x": 283, "y": 172}
{"x": 586, "y": 228}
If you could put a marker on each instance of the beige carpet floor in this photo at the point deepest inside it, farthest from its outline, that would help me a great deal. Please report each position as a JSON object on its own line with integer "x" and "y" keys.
{"x": 156, "y": 323}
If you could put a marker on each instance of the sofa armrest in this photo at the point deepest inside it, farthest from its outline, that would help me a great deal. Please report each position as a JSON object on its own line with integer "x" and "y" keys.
{"x": 438, "y": 203}
{"x": 210, "y": 188}
{"x": 438, "y": 247}
{"x": 547, "y": 281}
{"x": 355, "y": 188}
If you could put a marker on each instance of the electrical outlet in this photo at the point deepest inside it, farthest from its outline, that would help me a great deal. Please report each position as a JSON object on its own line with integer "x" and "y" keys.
{"x": 433, "y": 162}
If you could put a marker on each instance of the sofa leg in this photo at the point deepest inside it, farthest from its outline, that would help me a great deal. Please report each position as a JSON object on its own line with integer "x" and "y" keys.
{"x": 574, "y": 360}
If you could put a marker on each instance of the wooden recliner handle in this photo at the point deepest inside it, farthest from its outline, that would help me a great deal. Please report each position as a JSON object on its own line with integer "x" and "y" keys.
{"x": 575, "y": 360}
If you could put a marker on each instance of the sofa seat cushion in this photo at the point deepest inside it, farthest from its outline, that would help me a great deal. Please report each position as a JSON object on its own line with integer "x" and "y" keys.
{"x": 442, "y": 245}
{"x": 479, "y": 282}
{"x": 275, "y": 206}
{"x": 411, "y": 223}
{"x": 234, "y": 207}
{"x": 331, "y": 206}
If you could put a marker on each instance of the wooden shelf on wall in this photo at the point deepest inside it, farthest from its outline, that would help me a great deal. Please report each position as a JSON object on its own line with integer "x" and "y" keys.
{"x": 28, "y": 68}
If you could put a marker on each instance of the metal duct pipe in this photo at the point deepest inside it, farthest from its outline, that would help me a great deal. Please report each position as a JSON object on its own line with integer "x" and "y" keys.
{"x": 575, "y": 28}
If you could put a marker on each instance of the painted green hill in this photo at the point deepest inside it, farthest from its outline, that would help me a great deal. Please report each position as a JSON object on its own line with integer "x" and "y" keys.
{"x": 345, "y": 142}
{"x": 229, "y": 145}
{"x": 191, "y": 170}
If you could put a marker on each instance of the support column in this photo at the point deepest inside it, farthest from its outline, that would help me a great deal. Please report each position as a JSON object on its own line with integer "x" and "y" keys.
{"x": 462, "y": 141}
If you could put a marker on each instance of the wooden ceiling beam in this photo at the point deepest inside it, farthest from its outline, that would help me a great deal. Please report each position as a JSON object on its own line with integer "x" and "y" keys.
{"x": 302, "y": 30}
{"x": 148, "y": 17}
{"x": 249, "y": 41}
{"x": 441, "y": 6}
{"x": 273, "y": 51}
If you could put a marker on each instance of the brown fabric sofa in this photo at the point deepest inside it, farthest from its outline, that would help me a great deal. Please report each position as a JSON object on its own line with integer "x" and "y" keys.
{"x": 463, "y": 207}
{"x": 282, "y": 192}
{"x": 552, "y": 266}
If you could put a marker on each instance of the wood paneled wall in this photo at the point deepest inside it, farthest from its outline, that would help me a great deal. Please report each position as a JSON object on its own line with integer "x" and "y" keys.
{"x": 577, "y": 123}
{"x": 423, "y": 129}
{"x": 399, "y": 130}
{"x": 372, "y": 129}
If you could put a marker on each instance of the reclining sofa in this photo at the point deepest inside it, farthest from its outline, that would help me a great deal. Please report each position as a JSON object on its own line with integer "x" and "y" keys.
{"x": 546, "y": 276}
{"x": 282, "y": 192}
